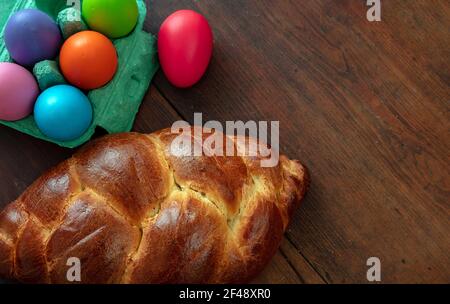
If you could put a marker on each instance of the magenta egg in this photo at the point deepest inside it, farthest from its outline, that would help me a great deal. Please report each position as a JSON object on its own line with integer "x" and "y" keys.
{"x": 185, "y": 45}
{"x": 18, "y": 92}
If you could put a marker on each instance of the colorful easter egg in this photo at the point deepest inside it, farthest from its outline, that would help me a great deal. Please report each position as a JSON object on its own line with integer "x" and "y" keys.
{"x": 113, "y": 18}
{"x": 88, "y": 60}
{"x": 18, "y": 92}
{"x": 63, "y": 113}
{"x": 185, "y": 45}
{"x": 32, "y": 36}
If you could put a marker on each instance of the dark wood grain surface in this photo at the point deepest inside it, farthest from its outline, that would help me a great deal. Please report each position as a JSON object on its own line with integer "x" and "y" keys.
{"x": 364, "y": 105}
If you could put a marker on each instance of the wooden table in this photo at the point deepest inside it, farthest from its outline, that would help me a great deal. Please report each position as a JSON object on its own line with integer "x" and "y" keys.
{"x": 365, "y": 105}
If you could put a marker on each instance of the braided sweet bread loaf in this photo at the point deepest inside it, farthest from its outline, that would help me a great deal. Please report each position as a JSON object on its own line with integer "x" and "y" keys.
{"x": 132, "y": 212}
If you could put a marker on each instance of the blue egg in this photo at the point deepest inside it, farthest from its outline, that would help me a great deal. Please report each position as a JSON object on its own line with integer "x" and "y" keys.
{"x": 63, "y": 113}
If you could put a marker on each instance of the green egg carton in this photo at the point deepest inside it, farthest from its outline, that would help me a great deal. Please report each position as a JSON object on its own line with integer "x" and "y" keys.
{"x": 116, "y": 104}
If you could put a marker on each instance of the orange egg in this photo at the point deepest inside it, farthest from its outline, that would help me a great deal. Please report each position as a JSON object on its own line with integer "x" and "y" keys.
{"x": 88, "y": 60}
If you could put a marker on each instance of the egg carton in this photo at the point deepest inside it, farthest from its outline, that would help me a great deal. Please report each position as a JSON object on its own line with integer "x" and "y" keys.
{"x": 115, "y": 105}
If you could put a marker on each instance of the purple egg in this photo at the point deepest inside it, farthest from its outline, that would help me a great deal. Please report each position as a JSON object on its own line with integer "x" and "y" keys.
{"x": 32, "y": 36}
{"x": 18, "y": 92}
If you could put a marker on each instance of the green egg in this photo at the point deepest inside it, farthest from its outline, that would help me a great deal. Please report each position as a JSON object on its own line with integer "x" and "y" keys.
{"x": 113, "y": 18}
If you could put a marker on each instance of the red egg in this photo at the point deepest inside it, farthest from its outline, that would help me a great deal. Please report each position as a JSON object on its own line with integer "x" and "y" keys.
{"x": 185, "y": 45}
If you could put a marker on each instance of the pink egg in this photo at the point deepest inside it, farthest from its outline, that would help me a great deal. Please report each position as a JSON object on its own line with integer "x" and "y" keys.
{"x": 185, "y": 46}
{"x": 18, "y": 92}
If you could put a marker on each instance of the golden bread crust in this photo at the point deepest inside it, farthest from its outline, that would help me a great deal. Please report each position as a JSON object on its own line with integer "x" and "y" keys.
{"x": 133, "y": 212}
